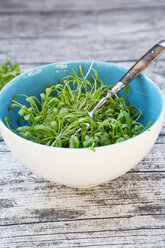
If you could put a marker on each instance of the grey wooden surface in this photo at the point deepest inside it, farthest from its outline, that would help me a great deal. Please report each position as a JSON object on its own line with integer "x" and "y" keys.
{"x": 126, "y": 212}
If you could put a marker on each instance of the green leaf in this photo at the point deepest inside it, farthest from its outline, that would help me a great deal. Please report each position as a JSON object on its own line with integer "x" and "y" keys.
{"x": 48, "y": 92}
{"x": 24, "y": 129}
{"x": 58, "y": 142}
{"x": 6, "y": 120}
{"x": 41, "y": 128}
{"x": 83, "y": 132}
{"x": 120, "y": 139}
{"x": 32, "y": 102}
{"x": 8, "y": 71}
{"x": 21, "y": 112}
{"x": 80, "y": 70}
{"x": 74, "y": 142}
{"x": 95, "y": 73}
{"x": 43, "y": 96}
{"x": 13, "y": 105}
{"x": 126, "y": 89}
{"x": 54, "y": 125}
{"x": 27, "y": 117}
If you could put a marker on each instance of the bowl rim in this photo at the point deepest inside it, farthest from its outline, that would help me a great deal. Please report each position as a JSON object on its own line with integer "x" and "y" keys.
{"x": 161, "y": 115}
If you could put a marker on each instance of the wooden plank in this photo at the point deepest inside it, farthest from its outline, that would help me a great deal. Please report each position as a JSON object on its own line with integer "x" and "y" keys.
{"x": 29, "y": 201}
{"x": 41, "y": 210}
{"x": 50, "y": 37}
{"x": 45, "y": 50}
{"x": 121, "y": 239}
{"x": 106, "y": 238}
{"x": 16, "y": 5}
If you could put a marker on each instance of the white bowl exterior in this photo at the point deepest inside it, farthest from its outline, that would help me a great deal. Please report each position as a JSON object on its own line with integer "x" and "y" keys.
{"x": 82, "y": 167}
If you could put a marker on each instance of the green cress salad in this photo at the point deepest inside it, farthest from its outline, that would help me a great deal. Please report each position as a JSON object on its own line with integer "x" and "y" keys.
{"x": 8, "y": 71}
{"x": 60, "y": 116}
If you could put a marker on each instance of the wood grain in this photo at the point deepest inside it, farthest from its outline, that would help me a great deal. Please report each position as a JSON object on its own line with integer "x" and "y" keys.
{"x": 79, "y": 32}
{"x": 16, "y": 5}
{"x": 126, "y": 212}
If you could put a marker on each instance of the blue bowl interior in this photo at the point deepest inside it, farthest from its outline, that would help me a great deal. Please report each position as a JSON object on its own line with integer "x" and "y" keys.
{"x": 143, "y": 93}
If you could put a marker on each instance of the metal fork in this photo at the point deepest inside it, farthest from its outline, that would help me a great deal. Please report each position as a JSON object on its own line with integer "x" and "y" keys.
{"x": 132, "y": 73}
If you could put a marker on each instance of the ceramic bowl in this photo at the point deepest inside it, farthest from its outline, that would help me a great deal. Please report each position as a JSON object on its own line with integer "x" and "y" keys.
{"x": 82, "y": 167}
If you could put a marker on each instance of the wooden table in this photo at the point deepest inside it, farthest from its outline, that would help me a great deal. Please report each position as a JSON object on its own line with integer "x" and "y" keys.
{"x": 126, "y": 212}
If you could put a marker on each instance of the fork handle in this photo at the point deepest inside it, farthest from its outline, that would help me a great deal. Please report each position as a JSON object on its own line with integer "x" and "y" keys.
{"x": 135, "y": 70}
{"x": 140, "y": 66}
